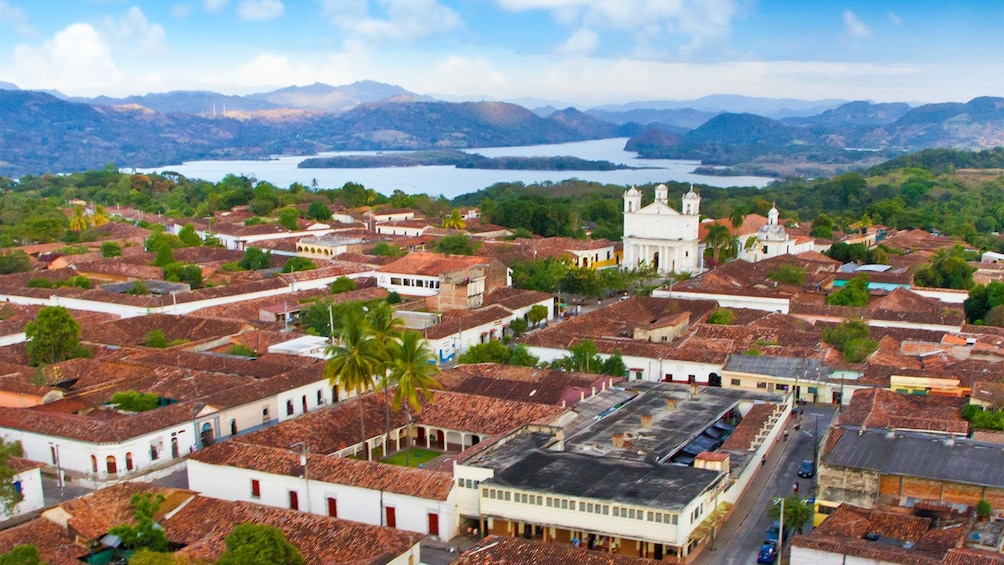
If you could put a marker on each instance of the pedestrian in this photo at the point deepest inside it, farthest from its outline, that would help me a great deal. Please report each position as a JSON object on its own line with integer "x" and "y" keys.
{"x": 794, "y": 487}
{"x": 785, "y": 435}
{"x": 798, "y": 426}
{"x": 763, "y": 461}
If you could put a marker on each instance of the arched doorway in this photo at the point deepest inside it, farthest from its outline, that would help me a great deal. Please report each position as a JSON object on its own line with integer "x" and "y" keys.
{"x": 110, "y": 465}
{"x": 128, "y": 461}
{"x": 714, "y": 379}
{"x": 175, "y": 452}
{"x": 207, "y": 434}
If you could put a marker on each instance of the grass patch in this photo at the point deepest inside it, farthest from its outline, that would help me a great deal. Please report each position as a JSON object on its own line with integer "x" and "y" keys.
{"x": 415, "y": 456}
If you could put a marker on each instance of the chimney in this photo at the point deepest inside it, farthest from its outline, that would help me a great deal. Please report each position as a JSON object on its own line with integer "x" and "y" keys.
{"x": 646, "y": 421}
{"x": 671, "y": 404}
{"x": 618, "y": 441}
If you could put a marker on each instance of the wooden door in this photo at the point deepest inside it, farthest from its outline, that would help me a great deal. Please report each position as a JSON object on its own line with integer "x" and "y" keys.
{"x": 433, "y": 524}
{"x": 391, "y": 518}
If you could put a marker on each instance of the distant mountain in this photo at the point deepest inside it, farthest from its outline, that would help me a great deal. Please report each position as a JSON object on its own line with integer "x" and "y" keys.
{"x": 854, "y": 115}
{"x": 745, "y": 129}
{"x": 196, "y": 102}
{"x": 977, "y": 124}
{"x": 584, "y": 124}
{"x": 652, "y": 139}
{"x": 8, "y": 86}
{"x": 776, "y": 108}
{"x": 336, "y": 99}
{"x": 685, "y": 118}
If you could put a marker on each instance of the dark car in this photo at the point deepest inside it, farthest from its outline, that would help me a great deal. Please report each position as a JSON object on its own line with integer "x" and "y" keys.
{"x": 807, "y": 469}
{"x": 767, "y": 554}
{"x": 772, "y": 533}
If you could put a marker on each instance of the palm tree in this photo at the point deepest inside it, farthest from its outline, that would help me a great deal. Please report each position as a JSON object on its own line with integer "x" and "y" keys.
{"x": 719, "y": 239}
{"x": 78, "y": 221}
{"x": 385, "y": 330}
{"x": 354, "y": 362}
{"x": 412, "y": 371}
{"x": 99, "y": 217}
{"x": 454, "y": 221}
{"x": 737, "y": 217}
{"x": 797, "y": 512}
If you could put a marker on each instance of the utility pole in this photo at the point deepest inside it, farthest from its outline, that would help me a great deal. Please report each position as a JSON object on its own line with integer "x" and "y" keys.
{"x": 780, "y": 534}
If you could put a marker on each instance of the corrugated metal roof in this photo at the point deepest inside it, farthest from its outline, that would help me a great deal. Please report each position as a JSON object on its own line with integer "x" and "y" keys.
{"x": 789, "y": 367}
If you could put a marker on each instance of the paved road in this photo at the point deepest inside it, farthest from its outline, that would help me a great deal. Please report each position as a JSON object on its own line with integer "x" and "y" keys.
{"x": 741, "y": 537}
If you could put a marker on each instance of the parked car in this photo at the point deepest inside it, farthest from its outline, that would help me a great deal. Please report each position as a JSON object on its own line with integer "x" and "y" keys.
{"x": 772, "y": 533}
{"x": 767, "y": 554}
{"x": 807, "y": 469}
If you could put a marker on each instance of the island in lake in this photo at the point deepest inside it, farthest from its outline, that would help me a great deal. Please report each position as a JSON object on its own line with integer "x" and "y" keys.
{"x": 458, "y": 159}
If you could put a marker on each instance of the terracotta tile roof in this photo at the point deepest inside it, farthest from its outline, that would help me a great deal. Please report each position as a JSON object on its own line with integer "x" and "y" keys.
{"x": 409, "y": 481}
{"x": 92, "y": 515}
{"x": 965, "y": 556}
{"x": 20, "y": 465}
{"x": 454, "y": 321}
{"x": 325, "y": 269}
{"x": 741, "y": 277}
{"x": 433, "y": 264}
{"x": 95, "y": 429}
{"x": 881, "y": 408}
{"x": 133, "y": 331}
{"x": 750, "y": 226}
{"x": 504, "y": 550}
{"x": 917, "y": 239}
{"x": 54, "y": 546}
{"x": 745, "y": 433}
{"x": 512, "y": 298}
{"x": 528, "y": 384}
{"x": 481, "y": 414}
{"x": 368, "y": 260}
{"x": 202, "y": 524}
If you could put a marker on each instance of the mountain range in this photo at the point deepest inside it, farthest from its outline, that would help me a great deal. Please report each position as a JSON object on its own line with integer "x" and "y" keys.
{"x": 49, "y": 132}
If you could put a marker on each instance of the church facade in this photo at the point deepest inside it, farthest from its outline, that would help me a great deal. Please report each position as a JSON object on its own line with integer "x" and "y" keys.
{"x": 658, "y": 235}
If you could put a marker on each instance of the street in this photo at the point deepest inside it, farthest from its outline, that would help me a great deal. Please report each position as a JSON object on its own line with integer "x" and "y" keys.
{"x": 741, "y": 537}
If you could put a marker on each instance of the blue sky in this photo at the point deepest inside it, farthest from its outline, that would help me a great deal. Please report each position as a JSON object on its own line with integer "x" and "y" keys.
{"x": 582, "y": 52}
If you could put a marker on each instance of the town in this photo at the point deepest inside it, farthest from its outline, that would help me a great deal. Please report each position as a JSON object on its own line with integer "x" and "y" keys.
{"x": 381, "y": 384}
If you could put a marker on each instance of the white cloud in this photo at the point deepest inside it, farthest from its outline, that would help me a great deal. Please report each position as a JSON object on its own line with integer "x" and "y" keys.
{"x": 582, "y": 42}
{"x": 135, "y": 31}
{"x": 336, "y": 68}
{"x": 15, "y": 17}
{"x": 854, "y": 26}
{"x": 403, "y": 21}
{"x": 214, "y": 5}
{"x": 895, "y": 19}
{"x": 181, "y": 10}
{"x": 469, "y": 74}
{"x": 256, "y": 10}
{"x": 77, "y": 56}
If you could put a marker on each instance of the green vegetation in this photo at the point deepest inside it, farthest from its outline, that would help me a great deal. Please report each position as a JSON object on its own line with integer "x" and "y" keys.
{"x": 983, "y": 419}
{"x": 78, "y": 281}
{"x": 458, "y": 159}
{"x": 156, "y": 338}
{"x": 797, "y": 512}
{"x": 111, "y": 249}
{"x": 177, "y": 271}
{"x": 255, "y": 259}
{"x": 24, "y": 554}
{"x": 384, "y": 249}
{"x": 242, "y": 350}
{"x": 9, "y": 496}
{"x": 854, "y": 293}
{"x": 256, "y": 544}
{"x": 457, "y": 244}
{"x": 498, "y": 352}
{"x": 289, "y": 218}
{"x": 984, "y": 509}
{"x": 53, "y": 336}
{"x": 518, "y": 325}
{"x": 412, "y": 457}
{"x": 298, "y": 264}
{"x": 788, "y": 274}
{"x": 537, "y": 314}
{"x": 15, "y": 261}
{"x": 722, "y": 316}
{"x": 319, "y": 211}
{"x": 342, "y": 284}
{"x": 138, "y": 288}
{"x": 946, "y": 269}
{"x": 133, "y": 401}
{"x": 188, "y": 236}
{"x": 851, "y": 338}
{"x": 143, "y": 533}
{"x": 985, "y": 304}
{"x": 584, "y": 358}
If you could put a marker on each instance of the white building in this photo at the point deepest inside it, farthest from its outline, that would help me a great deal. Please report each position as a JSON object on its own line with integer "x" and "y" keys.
{"x": 772, "y": 240}
{"x": 658, "y": 235}
{"x": 27, "y": 481}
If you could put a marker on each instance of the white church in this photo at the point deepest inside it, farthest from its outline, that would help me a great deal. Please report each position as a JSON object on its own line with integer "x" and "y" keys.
{"x": 670, "y": 240}
{"x": 660, "y": 236}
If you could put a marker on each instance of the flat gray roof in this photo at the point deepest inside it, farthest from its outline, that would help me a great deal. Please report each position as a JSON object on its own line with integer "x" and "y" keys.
{"x": 788, "y": 367}
{"x": 669, "y": 487}
{"x": 920, "y": 455}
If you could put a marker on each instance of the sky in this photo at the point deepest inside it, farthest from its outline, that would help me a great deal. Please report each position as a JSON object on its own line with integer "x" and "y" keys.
{"x": 580, "y": 52}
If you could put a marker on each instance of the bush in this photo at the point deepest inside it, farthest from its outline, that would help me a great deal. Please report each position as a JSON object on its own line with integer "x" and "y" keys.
{"x": 253, "y": 221}
{"x": 393, "y": 298}
{"x": 458, "y": 244}
{"x": 16, "y": 261}
{"x": 319, "y": 211}
{"x": 288, "y": 218}
{"x": 155, "y": 338}
{"x": 384, "y": 249}
{"x": 39, "y": 282}
{"x": 298, "y": 264}
{"x": 111, "y": 249}
{"x": 133, "y": 401}
{"x": 722, "y": 316}
{"x": 139, "y": 288}
{"x": 255, "y": 259}
{"x": 983, "y": 419}
{"x": 242, "y": 350}
{"x": 342, "y": 284}
{"x": 788, "y": 274}
{"x": 518, "y": 325}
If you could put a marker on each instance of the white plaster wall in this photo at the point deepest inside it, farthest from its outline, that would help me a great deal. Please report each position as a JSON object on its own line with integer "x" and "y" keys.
{"x": 730, "y": 301}
{"x": 296, "y": 395}
{"x": 31, "y": 490}
{"x": 806, "y": 556}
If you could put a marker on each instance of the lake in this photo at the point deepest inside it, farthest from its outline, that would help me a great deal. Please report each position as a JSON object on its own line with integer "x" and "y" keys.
{"x": 451, "y": 182}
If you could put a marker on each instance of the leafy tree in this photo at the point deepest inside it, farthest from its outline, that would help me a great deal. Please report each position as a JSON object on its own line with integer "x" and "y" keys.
{"x": 384, "y": 249}
{"x": 133, "y": 401}
{"x": 457, "y": 244}
{"x": 242, "y": 350}
{"x": 164, "y": 256}
{"x": 393, "y": 297}
{"x": 40, "y": 282}
{"x": 788, "y": 274}
{"x": 180, "y": 272}
{"x": 614, "y": 365}
{"x": 212, "y": 241}
{"x": 498, "y": 352}
{"x": 53, "y": 336}
{"x": 342, "y": 284}
{"x": 255, "y": 259}
{"x": 518, "y": 325}
{"x": 995, "y": 316}
{"x": 295, "y": 264}
{"x": 24, "y": 554}
{"x": 289, "y": 218}
{"x": 822, "y": 227}
{"x": 111, "y": 249}
{"x": 583, "y": 358}
{"x": 581, "y": 280}
{"x": 319, "y": 211}
{"x": 9, "y": 496}
{"x": 544, "y": 274}
{"x": 143, "y": 533}
{"x": 854, "y": 293}
{"x": 354, "y": 361}
{"x": 946, "y": 269}
{"x": 851, "y": 337}
{"x": 797, "y": 512}
{"x": 846, "y": 253}
{"x": 520, "y": 355}
{"x": 147, "y": 557}
{"x": 155, "y": 338}
{"x": 720, "y": 241}
{"x": 188, "y": 236}
{"x": 721, "y": 316}
{"x": 162, "y": 239}
{"x": 139, "y": 288}
{"x": 15, "y": 261}
{"x": 537, "y": 314}
{"x": 454, "y": 221}
{"x": 257, "y": 544}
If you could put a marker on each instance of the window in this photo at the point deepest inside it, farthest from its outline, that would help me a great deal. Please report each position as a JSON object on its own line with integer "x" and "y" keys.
{"x": 737, "y": 382}
{"x": 94, "y": 464}
{"x": 332, "y": 507}
{"x": 673, "y": 519}
{"x": 264, "y": 414}
{"x": 589, "y": 507}
{"x": 761, "y": 385}
{"x": 658, "y": 517}
{"x": 491, "y": 493}
{"x": 507, "y": 495}
{"x": 549, "y": 502}
{"x": 606, "y": 509}
{"x": 564, "y": 504}
{"x": 460, "y": 483}
{"x": 289, "y": 407}
{"x": 233, "y": 427}
{"x": 18, "y": 488}
{"x": 631, "y": 513}
{"x": 395, "y": 280}
{"x": 320, "y": 397}
{"x": 255, "y": 488}
{"x": 294, "y": 500}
